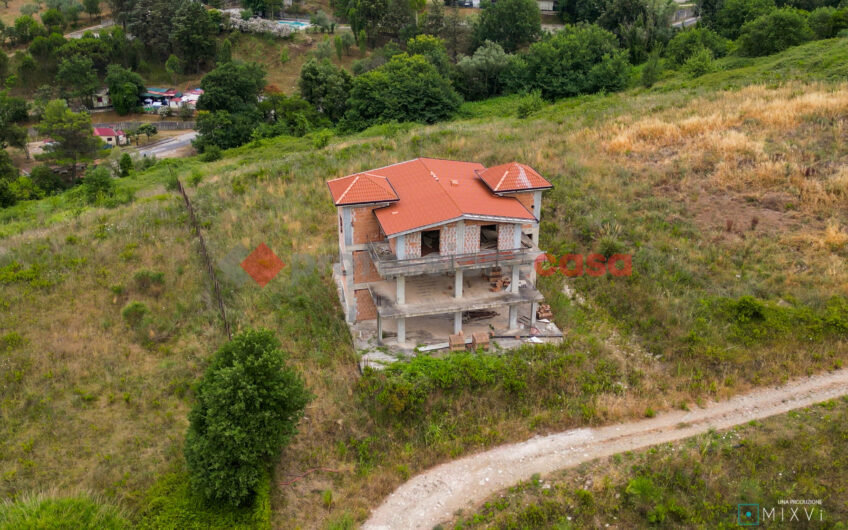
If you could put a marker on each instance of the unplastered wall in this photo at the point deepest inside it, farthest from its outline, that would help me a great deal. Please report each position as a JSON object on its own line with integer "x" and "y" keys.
{"x": 365, "y": 225}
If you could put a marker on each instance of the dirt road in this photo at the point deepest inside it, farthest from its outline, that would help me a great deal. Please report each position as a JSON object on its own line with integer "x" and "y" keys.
{"x": 435, "y": 495}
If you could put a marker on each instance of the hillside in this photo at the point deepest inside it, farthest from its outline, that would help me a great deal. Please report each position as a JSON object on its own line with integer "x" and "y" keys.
{"x": 732, "y": 203}
{"x": 698, "y": 482}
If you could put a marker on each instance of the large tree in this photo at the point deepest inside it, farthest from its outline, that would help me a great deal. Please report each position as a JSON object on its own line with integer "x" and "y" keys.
{"x": 774, "y": 32}
{"x": 71, "y": 133}
{"x": 232, "y": 86}
{"x": 404, "y": 89}
{"x": 481, "y": 72}
{"x": 580, "y": 59}
{"x": 125, "y": 88}
{"x": 248, "y": 405}
{"x": 152, "y": 22}
{"x": 77, "y": 78}
{"x": 510, "y": 23}
{"x": 326, "y": 86}
{"x": 193, "y": 35}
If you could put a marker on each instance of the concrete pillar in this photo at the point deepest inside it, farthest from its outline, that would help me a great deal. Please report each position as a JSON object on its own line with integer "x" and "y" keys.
{"x": 457, "y": 284}
{"x": 457, "y": 322}
{"x": 400, "y": 247}
{"x": 513, "y": 317}
{"x": 401, "y": 329}
{"x": 513, "y": 284}
{"x": 401, "y": 289}
{"x": 533, "y": 307}
{"x": 379, "y": 329}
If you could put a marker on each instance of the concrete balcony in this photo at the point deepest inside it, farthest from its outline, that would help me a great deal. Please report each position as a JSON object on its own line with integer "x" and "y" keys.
{"x": 435, "y": 294}
{"x": 389, "y": 266}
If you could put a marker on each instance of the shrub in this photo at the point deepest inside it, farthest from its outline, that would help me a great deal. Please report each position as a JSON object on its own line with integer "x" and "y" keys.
{"x": 98, "y": 184}
{"x": 46, "y": 179}
{"x": 529, "y": 104}
{"x": 322, "y": 138}
{"x": 774, "y": 32}
{"x": 146, "y": 280}
{"x": 211, "y": 153}
{"x": 688, "y": 42}
{"x": 125, "y": 165}
{"x": 700, "y": 63}
{"x": 134, "y": 313}
{"x": 248, "y": 406}
{"x": 652, "y": 69}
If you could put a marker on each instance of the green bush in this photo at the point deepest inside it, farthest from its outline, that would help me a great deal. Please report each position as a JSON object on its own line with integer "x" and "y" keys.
{"x": 171, "y": 503}
{"x": 211, "y": 153}
{"x": 146, "y": 280}
{"x": 580, "y": 59}
{"x": 248, "y": 406}
{"x": 98, "y": 185}
{"x": 686, "y": 43}
{"x": 134, "y": 313}
{"x": 700, "y": 63}
{"x": 774, "y": 32}
{"x": 125, "y": 165}
{"x": 406, "y": 89}
{"x": 529, "y": 104}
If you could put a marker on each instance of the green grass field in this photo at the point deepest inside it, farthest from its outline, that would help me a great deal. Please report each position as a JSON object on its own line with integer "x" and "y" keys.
{"x": 730, "y": 201}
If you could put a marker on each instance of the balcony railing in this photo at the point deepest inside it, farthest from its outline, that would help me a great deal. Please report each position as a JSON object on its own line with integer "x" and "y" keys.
{"x": 388, "y": 265}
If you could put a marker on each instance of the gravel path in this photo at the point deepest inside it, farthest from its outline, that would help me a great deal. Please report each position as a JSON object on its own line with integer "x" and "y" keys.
{"x": 435, "y": 495}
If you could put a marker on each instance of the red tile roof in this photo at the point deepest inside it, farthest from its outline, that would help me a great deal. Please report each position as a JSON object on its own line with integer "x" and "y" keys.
{"x": 429, "y": 192}
{"x": 104, "y": 131}
{"x": 513, "y": 177}
{"x": 361, "y": 188}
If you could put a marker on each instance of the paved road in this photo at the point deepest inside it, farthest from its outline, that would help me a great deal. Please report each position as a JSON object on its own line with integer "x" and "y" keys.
{"x": 80, "y": 32}
{"x": 434, "y": 496}
{"x": 166, "y": 147}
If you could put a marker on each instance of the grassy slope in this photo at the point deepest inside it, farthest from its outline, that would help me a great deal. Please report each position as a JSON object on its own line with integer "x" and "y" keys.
{"x": 696, "y": 483}
{"x": 656, "y": 173}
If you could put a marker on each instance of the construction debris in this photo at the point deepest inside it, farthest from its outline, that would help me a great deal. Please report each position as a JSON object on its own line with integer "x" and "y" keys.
{"x": 544, "y": 312}
{"x": 480, "y": 340}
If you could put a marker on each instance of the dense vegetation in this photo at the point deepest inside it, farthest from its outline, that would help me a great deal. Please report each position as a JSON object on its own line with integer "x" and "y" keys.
{"x": 676, "y": 175}
{"x": 248, "y": 406}
{"x": 695, "y": 483}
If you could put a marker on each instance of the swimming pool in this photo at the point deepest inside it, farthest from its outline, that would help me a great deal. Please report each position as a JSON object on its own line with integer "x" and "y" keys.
{"x": 296, "y": 24}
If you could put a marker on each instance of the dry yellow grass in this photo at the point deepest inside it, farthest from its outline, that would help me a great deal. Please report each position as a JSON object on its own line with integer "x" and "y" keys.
{"x": 729, "y": 136}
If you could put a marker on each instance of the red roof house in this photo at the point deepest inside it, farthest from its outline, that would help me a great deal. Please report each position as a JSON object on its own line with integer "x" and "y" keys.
{"x": 428, "y": 217}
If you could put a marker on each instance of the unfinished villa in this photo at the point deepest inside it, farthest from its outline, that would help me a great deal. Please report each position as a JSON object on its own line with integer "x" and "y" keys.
{"x": 431, "y": 249}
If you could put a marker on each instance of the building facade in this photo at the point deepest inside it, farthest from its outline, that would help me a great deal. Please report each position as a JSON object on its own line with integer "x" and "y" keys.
{"x": 427, "y": 236}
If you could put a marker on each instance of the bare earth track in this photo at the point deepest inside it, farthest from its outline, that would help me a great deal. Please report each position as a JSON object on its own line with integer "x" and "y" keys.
{"x": 434, "y": 496}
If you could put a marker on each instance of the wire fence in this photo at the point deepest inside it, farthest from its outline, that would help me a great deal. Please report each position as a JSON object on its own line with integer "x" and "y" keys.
{"x": 207, "y": 260}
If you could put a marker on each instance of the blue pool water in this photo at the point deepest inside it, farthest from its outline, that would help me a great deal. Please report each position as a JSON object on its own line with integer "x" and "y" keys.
{"x": 294, "y": 23}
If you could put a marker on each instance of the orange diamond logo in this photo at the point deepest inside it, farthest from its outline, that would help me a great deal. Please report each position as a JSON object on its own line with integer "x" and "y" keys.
{"x": 262, "y": 265}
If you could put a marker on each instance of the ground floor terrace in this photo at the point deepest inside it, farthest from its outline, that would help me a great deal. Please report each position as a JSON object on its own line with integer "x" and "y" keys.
{"x": 420, "y": 313}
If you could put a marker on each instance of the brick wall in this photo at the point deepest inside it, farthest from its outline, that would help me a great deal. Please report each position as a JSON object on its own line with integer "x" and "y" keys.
{"x": 365, "y": 308}
{"x": 506, "y": 233}
{"x": 365, "y": 225}
{"x": 413, "y": 245}
{"x": 363, "y": 268}
{"x": 447, "y": 240}
{"x": 393, "y": 245}
{"x": 472, "y": 238}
